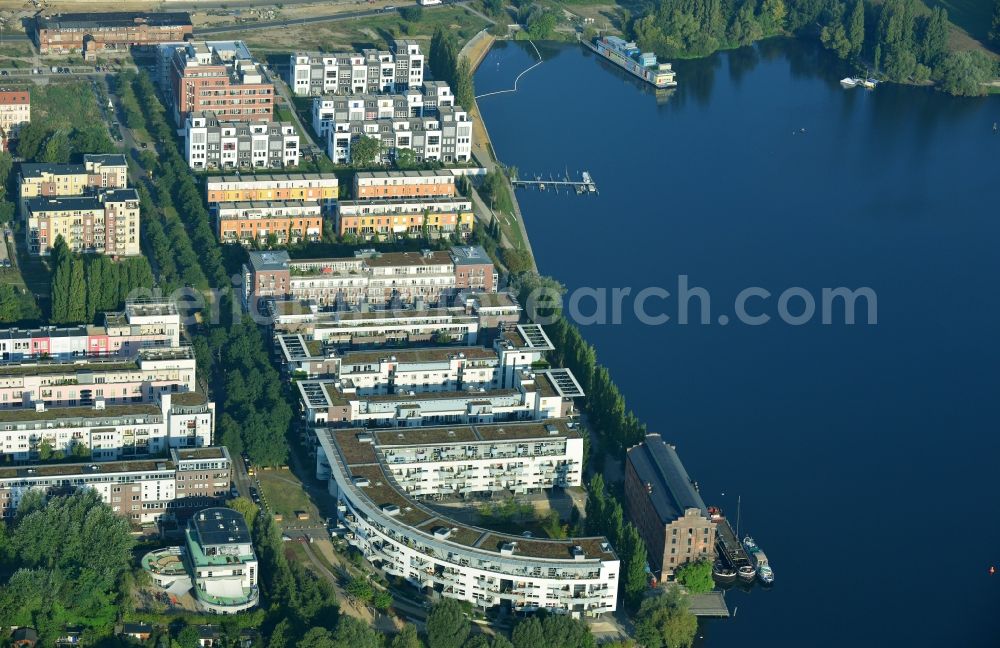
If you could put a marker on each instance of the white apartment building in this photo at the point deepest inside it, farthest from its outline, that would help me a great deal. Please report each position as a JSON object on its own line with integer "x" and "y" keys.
{"x": 102, "y": 433}
{"x": 15, "y": 110}
{"x": 422, "y": 100}
{"x": 123, "y": 333}
{"x": 216, "y": 563}
{"x": 213, "y": 144}
{"x": 376, "y": 477}
{"x": 369, "y": 70}
{"x": 436, "y": 368}
{"x": 142, "y": 491}
{"x": 86, "y": 383}
{"x": 533, "y": 397}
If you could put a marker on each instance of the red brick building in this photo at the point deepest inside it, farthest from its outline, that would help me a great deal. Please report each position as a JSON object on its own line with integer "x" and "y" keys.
{"x": 92, "y": 32}
{"x": 664, "y": 505}
{"x": 206, "y": 77}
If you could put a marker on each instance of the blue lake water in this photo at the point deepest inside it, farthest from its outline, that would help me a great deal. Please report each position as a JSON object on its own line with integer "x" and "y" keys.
{"x": 867, "y": 455}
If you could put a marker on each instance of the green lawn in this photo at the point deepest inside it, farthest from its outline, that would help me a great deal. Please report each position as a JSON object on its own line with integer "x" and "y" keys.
{"x": 284, "y": 495}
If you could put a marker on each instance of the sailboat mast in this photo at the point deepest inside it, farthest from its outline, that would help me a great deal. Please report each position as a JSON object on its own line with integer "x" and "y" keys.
{"x": 738, "y": 502}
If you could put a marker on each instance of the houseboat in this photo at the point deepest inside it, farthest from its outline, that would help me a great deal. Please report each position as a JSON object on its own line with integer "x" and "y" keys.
{"x": 641, "y": 64}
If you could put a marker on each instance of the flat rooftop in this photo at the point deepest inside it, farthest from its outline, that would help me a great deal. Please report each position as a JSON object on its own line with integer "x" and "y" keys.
{"x": 383, "y": 491}
{"x": 221, "y": 526}
{"x": 359, "y": 446}
{"x": 29, "y": 414}
{"x": 418, "y": 355}
{"x": 270, "y": 177}
{"x": 118, "y": 19}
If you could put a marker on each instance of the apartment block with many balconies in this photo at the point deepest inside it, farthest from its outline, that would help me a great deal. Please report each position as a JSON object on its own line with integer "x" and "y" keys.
{"x": 533, "y": 396}
{"x": 367, "y": 71}
{"x": 141, "y": 324}
{"x": 275, "y": 222}
{"x": 319, "y": 187}
{"x": 386, "y": 217}
{"x": 141, "y": 490}
{"x": 102, "y": 433}
{"x": 220, "y": 77}
{"x": 211, "y": 142}
{"x": 379, "y": 476}
{"x": 369, "y": 277}
{"x": 45, "y": 384}
{"x": 105, "y": 223}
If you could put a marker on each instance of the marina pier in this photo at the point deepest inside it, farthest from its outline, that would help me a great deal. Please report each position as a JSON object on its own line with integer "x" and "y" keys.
{"x": 585, "y": 185}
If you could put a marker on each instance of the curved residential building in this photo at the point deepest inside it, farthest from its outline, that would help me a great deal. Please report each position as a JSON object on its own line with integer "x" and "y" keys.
{"x": 377, "y": 477}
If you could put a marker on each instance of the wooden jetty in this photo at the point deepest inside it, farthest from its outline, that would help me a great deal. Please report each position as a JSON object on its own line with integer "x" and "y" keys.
{"x": 586, "y": 183}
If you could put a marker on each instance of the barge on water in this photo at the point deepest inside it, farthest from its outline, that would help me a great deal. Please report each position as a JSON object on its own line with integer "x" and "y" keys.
{"x": 641, "y": 64}
{"x": 732, "y": 554}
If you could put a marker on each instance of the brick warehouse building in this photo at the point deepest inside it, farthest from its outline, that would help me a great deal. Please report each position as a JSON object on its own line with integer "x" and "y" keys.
{"x": 664, "y": 505}
{"x": 93, "y": 32}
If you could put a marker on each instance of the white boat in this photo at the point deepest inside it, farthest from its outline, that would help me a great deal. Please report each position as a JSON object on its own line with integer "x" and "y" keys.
{"x": 765, "y": 573}
{"x": 869, "y": 83}
{"x": 849, "y": 82}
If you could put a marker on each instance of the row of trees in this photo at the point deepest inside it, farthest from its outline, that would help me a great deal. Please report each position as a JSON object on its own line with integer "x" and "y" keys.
{"x": 901, "y": 39}
{"x": 255, "y": 412}
{"x": 38, "y": 142}
{"x": 682, "y": 28}
{"x": 66, "y": 562}
{"x": 84, "y": 285}
{"x": 447, "y": 65}
{"x": 606, "y": 517}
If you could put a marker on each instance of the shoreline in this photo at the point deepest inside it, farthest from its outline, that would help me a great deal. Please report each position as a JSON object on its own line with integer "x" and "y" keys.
{"x": 476, "y": 51}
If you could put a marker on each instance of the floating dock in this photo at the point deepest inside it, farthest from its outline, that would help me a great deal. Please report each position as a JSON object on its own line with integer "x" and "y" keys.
{"x": 585, "y": 185}
{"x": 710, "y": 604}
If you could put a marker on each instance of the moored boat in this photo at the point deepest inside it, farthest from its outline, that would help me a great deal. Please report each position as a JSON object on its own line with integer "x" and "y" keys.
{"x": 765, "y": 573}
{"x": 869, "y": 83}
{"x": 722, "y": 573}
{"x": 750, "y": 546}
{"x": 747, "y": 573}
{"x": 849, "y": 82}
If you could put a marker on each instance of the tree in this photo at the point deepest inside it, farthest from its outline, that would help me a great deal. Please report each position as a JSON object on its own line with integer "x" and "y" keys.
{"x": 407, "y": 638}
{"x": 30, "y": 140}
{"x": 382, "y": 600}
{"x": 541, "y": 24}
{"x": 412, "y": 13}
{"x": 552, "y": 631}
{"x": 696, "y": 576}
{"x": 994, "y": 34}
{"x": 665, "y": 622}
{"x": 966, "y": 73}
{"x": 45, "y": 450}
{"x": 57, "y": 149}
{"x": 189, "y": 637}
{"x": 10, "y": 304}
{"x": 246, "y": 508}
{"x": 360, "y": 589}
{"x": 405, "y": 158}
{"x": 856, "y": 29}
{"x": 366, "y": 151}
{"x": 463, "y": 84}
{"x": 517, "y": 261}
{"x": 351, "y": 633}
{"x": 635, "y": 579}
{"x": 72, "y": 553}
{"x": 448, "y": 626}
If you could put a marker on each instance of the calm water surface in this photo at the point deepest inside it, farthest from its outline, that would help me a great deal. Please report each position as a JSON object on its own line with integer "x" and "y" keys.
{"x": 866, "y": 456}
